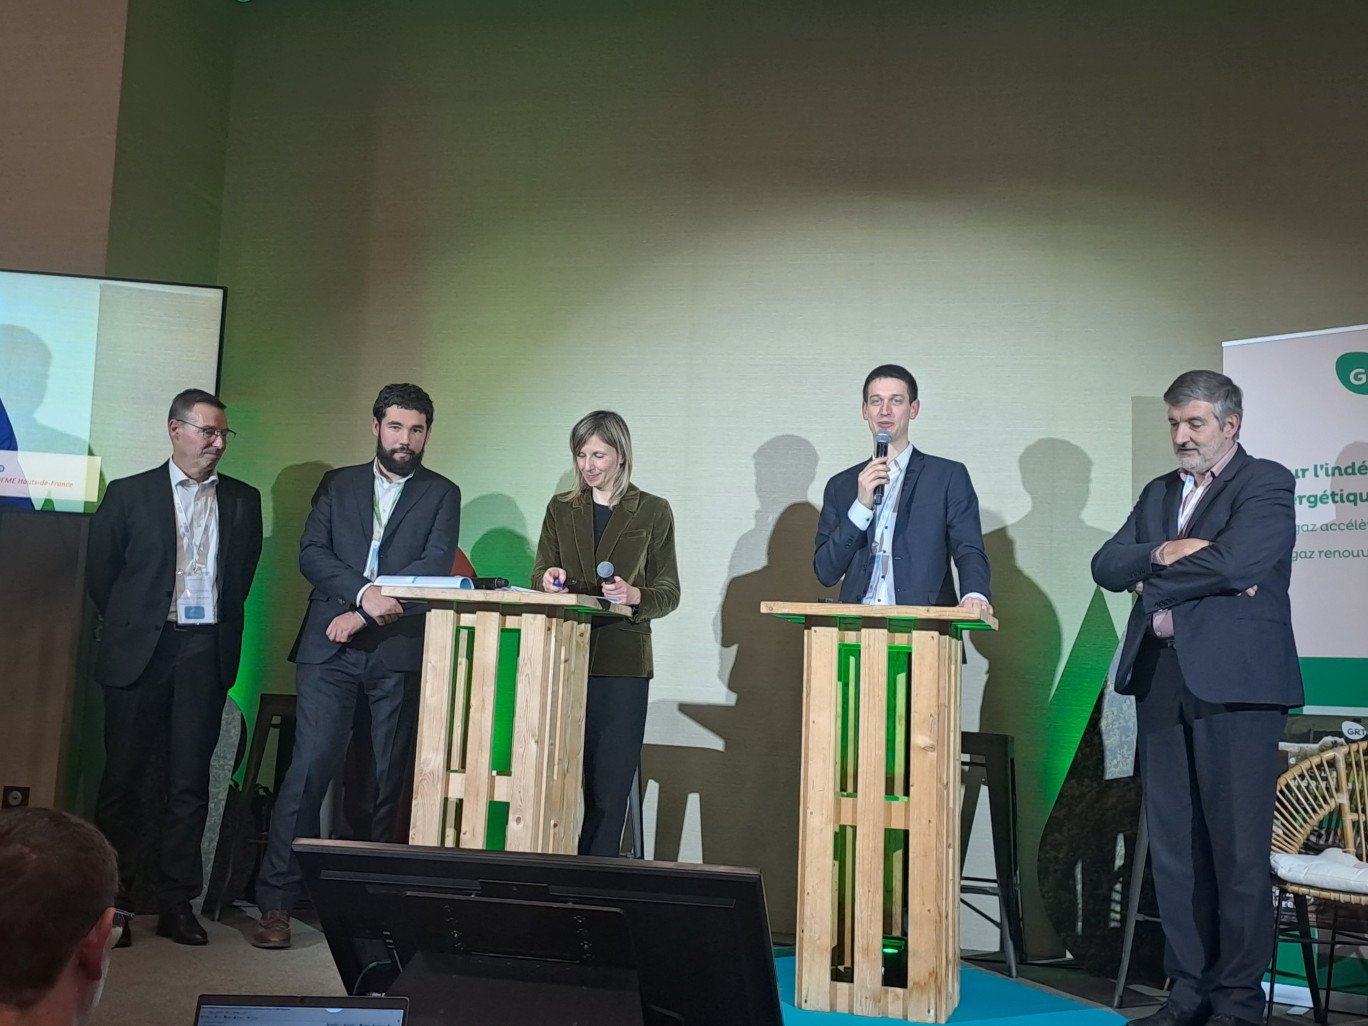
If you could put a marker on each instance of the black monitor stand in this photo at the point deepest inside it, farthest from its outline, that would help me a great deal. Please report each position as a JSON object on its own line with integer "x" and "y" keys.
{"x": 482, "y": 962}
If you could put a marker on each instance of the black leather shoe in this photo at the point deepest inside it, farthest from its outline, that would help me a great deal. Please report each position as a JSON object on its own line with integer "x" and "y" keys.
{"x": 1172, "y": 1015}
{"x": 181, "y": 926}
{"x": 1230, "y": 1020}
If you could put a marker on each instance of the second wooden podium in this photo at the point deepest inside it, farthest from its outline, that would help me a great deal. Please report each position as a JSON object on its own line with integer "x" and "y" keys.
{"x": 878, "y": 849}
{"x": 486, "y": 655}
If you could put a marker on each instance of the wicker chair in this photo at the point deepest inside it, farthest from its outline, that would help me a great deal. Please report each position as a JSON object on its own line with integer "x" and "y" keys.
{"x": 1322, "y": 802}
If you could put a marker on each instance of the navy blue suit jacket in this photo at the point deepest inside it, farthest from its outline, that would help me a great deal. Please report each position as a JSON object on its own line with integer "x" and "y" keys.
{"x": 938, "y": 519}
{"x": 9, "y": 443}
{"x": 419, "y": 540}
{"x": 1232, "y": 647}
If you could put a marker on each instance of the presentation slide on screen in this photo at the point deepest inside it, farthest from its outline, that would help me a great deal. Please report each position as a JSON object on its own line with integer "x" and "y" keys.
{"x": 88, "y": 367}
{"x": 1306, "y": 406}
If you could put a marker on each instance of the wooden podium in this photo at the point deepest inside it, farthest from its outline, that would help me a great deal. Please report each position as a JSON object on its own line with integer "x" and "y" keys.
{"x": 472, "y": 640}
{"x": 879, "y": 841}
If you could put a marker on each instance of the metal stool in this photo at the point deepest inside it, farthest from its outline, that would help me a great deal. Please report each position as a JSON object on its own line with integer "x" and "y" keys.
{"x": 1133, "y": 914}
{"x": 994, "y": 752}
{"x": 634, "y": 817}
{"x": 238, "y": 833}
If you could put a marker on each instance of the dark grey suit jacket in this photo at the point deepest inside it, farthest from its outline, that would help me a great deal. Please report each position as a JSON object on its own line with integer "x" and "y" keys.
{"x": 938, "y": 519}
{"x": 131, "y": 570}
{"x": 419, "y": 540}
{"x": 1232, "y": 647}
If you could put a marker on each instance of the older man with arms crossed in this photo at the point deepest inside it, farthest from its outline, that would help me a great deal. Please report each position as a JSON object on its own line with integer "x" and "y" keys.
{"x": 1209, "y": 655}
{"x": 57, "y": 917}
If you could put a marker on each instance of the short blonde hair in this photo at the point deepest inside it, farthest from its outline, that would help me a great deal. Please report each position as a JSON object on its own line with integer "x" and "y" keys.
{"x": 612, "y": 429}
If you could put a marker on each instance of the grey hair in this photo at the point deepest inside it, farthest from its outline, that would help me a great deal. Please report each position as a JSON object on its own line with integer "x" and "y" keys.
{"x": 1225, "y": 397}
{"x": 185, "y": 403}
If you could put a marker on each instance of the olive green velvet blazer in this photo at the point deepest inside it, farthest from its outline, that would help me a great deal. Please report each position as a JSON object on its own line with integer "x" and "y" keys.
{"x": 639, "y": 542}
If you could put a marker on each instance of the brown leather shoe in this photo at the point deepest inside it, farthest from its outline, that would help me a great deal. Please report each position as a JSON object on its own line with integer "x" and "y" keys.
{"x": 273, "y": 931}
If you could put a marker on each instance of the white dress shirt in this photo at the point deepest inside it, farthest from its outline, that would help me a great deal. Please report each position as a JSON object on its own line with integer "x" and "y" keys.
{"x": 197, "y": 532}
{"x": 881, "y": 590}
{"x": 384, "y": 499}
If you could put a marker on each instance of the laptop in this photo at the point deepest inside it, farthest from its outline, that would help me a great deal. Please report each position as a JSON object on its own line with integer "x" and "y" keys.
{"x": 283, "y": 1010}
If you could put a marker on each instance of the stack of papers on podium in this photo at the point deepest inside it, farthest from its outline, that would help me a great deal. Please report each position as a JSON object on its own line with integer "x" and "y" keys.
{"x": 425, "y": 582}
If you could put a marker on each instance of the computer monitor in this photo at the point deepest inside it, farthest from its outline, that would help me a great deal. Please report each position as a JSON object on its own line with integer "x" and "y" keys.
{"x": 286, "y": 1010}
{"x": 486, "y": 938}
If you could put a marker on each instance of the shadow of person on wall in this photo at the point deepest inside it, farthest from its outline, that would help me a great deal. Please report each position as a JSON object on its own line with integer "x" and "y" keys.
{"x": 1044, "y": 602}
{"x": 749, "y": 792}
{"x": 25, "y": 366}
{"x": 494, "y": 536}
{"x": 280, "y": 592}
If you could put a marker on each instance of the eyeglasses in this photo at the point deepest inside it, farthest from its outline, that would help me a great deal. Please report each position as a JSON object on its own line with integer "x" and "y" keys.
{"x": 121, "y": 921}
{"x": 208, "y": 433}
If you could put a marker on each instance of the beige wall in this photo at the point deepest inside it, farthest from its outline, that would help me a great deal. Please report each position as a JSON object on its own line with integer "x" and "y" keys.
{"x": 715, "y": 218}
{"x": 60, "y": 67}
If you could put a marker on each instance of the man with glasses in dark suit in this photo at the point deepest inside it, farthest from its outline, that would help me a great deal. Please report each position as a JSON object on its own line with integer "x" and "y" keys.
{"x": 172, "y": 555}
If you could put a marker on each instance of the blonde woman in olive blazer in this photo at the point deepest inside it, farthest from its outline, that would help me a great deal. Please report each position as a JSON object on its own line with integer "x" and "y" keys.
{"x": 606, "y": 517}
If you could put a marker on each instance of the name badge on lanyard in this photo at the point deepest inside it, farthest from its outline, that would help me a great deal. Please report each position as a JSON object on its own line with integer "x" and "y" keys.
{"x": 195, "y": 603}
{"x": 382, "y": 519}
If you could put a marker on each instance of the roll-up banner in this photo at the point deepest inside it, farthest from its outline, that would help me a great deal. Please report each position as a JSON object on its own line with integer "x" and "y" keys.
{"x": 1306, "y": 406}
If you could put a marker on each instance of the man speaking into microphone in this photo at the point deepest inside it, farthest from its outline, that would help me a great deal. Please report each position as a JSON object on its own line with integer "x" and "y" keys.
{"x": 891, "y": 525}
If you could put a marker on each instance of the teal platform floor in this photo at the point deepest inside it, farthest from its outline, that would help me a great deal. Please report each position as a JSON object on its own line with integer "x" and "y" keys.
{"x": 984, "y": 998}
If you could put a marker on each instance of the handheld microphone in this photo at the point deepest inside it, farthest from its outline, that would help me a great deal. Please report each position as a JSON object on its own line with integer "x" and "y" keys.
{"x": 880, "y": 449}
{"x": 605, "y": 572}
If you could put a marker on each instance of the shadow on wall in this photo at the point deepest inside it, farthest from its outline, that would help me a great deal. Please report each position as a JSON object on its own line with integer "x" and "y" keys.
{"x": 279, "y": 592}
{"x": 25, "y": 363}
{"x": 494, "y": 536}
{"x": 749, "y": 792}
{"x": 1028, "y": 694}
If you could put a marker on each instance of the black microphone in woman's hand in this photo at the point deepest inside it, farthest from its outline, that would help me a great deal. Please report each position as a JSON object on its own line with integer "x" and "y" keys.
{"x": 880, "y": 449}
{"x": 605, "y": 572}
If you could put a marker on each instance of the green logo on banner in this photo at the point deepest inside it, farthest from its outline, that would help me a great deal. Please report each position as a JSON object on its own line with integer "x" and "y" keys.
{"x": 1352, "y": 369}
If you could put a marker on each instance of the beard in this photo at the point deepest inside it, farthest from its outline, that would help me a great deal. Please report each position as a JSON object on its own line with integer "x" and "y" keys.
{"x": 401, "y": 468}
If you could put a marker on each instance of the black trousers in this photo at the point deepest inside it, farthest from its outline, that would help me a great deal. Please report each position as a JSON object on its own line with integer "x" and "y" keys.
{"x": 1210, "y": 772}
{"x": 327, "y": 695}
{"x": 175, "y": 708}
{"x": 614, "y": 726}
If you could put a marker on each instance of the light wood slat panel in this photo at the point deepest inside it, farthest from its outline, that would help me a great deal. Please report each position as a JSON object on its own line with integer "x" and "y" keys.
{"x": 460, "y": 695}
{"x": 869, "y": 821}
{"x": 501, "y": 789}
{"x": 952, "y": 663}
{"x": 529, "y": 727}
{"x": 434, "y": 729}
{"x": 929, "y": 617}
{"x": 508, "y": 602}
{"x": 483, "y": 688}
{"x": 569, "y": 767}
{"x": 816, "y": 886}
{"x": 933, "y": 802}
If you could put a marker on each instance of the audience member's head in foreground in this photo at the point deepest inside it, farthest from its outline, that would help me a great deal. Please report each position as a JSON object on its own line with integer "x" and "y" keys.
{"x": 58, "y": 877}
